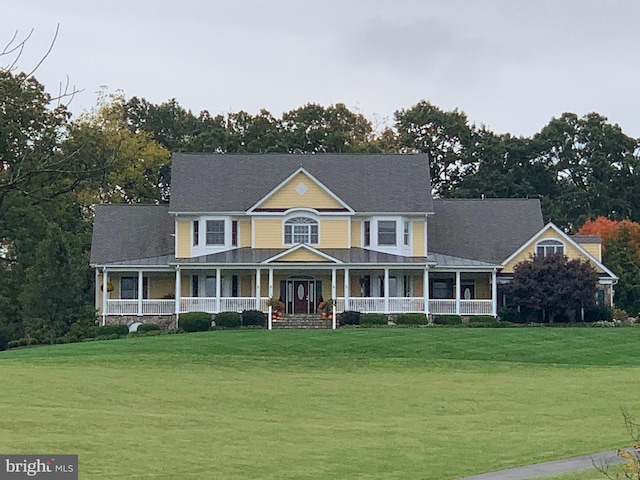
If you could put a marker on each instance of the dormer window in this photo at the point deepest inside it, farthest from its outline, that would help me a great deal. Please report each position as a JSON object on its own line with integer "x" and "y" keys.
{"x": 301, "y": 230}
{"x": 546, "y": 248}
{"x": 215, "y": 232}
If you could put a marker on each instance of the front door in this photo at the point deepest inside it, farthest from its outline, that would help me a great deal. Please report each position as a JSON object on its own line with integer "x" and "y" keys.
{"x": 301, "y": 296}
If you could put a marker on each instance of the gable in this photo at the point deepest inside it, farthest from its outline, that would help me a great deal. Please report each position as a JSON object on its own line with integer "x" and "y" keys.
{"x": 302, "y": 255}
{"x": 572, "y": 250}
{"x": 300, "y": 191}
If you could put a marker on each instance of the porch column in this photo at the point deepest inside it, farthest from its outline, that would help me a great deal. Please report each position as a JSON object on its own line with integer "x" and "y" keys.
{"x": 425, "y": 290}
{"x": 346, "y": 289}
{"x": 105, "y": 294}
{"x": 386, "y": 290}
{"x": 96, "y": 300}
{"x": 494, "y": 292}
{"x": 218, "y": 288}
{"x": 333, "y": 297}
{"x": 458, "y": 292}
{"x": 177, "y": 293}
{"x": 140, "y": 286}
{"x": 270, "y": 319}
{"x": 258, "y": 271}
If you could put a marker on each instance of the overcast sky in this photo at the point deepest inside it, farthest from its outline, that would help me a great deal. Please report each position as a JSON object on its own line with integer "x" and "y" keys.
{"x": 509, "y": 64}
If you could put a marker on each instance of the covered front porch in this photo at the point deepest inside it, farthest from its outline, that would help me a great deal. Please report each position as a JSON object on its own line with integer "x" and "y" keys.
{"x": 300, "y": 289}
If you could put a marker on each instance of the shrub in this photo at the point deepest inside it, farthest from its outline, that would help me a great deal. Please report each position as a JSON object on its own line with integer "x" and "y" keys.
{"x": 349, "y": 317}
{"x": 412, "y": 319}
{"x": 493, "y": 323}
{"x": 4, "y": 338}
{"x": 228, "y": 320}
{"x": 598, "y": 312}
{"x": 253, "y": 318}
{"x": 482, "y": 319}
{"x": 112, "y": 330}
{"x": 82, "y": 329}
{"x": 13, "y": 344}
{"x": 373, "y": 319}
{"x": 510, "y": 314}
{"x": 147, "y": 327}
{"x": 109, "y": 336}
{"x": 195, "y": 321}
{"x": 447, "y": 320}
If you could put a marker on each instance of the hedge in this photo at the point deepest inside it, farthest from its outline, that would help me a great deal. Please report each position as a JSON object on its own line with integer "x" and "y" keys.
{"x": 195, "y": 321}
{"x": 373, "y": 319}
{"x": 253, "y": 317}
{"x": 112, "y": 330}
{"x": 349, "y": 317}
{"x": 412, "y": 319}
{"x": 447, "y": 320}
{"x": 147, "y": 327}
{"x": 228, "y": 320}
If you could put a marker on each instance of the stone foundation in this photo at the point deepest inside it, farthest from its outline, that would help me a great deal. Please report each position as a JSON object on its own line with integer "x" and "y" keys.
{"x": 165, "y": 322}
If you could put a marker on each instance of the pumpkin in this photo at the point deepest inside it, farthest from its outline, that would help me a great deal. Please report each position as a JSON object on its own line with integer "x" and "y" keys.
{"x": 321, "y": 305}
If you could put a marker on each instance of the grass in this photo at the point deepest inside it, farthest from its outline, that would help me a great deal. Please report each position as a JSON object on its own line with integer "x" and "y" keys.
{"x": 354, "y": 403}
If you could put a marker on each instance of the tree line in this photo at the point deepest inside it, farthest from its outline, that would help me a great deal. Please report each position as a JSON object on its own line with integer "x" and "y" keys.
{"x": 54, "y": 167}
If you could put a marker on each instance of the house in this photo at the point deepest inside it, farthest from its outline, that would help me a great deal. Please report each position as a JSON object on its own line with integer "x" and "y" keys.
{"x": 361, "y": 229}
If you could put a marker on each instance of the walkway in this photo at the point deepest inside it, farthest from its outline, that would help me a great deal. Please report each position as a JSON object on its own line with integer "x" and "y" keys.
{"x": 556, "y": 467}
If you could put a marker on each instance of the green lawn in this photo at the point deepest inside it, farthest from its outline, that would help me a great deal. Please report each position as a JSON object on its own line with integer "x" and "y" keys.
{"x": 353, "y": 403}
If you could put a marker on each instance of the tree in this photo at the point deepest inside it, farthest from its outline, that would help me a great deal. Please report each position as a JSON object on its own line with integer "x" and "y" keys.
{"x": 56, "y": 292}
{"x": 554, "y": 285}
{"x": 444, "y": 136}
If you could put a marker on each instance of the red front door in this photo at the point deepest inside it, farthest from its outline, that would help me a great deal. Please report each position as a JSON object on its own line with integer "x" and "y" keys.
{"x": 301, "y": 296}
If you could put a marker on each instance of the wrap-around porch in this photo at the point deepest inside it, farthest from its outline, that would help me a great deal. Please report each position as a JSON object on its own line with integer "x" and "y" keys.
{"x": 389, "y": 290}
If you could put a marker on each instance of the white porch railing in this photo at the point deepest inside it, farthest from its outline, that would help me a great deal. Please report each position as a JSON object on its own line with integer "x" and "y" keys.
{"x": 149, "y": 307}
{"x": 227, "y": 304}
{"x": 360, "y": 304}
{"x": 476, "y": 307}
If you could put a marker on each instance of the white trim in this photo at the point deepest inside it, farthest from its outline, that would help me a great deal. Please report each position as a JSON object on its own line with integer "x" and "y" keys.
{"x": 297, "y": 247}
{"x": 312, "y": 178}
{"x": 567, "y": 238}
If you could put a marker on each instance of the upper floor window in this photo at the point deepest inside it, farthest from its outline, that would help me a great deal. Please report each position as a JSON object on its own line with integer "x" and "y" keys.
{"x": 215, "y": 232}
{"x": 234, "y": 233}
{"x": 196, "y": 232}
{"x": 549, "y": 247}
{"x": 367, "y": 233}
{"x": 301, "y": 230}
{"x": 406, "y": 233}
{"x": 386, "y": 232}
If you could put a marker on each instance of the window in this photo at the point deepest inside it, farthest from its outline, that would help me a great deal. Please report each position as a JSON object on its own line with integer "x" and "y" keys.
{"x": 386, "y": 232}
{"x": 215, "y": 232}
{"x": 367, "y": 233}
{"x": 549, "y": 247}
{"x": 406, "y": 233}
{"x": 210, "y": 286}
{"x": 129, "y": 288}
{"x": 301, "y": 230}
{"x": 195, "y": 284}
{"x": 234, "y": 233}
{"x": 196, "y": 233}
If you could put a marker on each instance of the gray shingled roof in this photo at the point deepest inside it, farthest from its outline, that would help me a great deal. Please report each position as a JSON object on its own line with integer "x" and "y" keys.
{"x": 131, "y": 232}
{"x": 247, "y": 255}
{"x": 487, "y": 230}
{"x": 234, "y": 182}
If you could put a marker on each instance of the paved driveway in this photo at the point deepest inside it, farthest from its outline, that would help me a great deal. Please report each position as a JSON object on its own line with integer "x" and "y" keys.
{"x": 551, "y": 468}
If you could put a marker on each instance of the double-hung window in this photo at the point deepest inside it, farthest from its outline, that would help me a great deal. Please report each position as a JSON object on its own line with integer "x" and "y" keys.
{"x": 215, "y": 232}
{"x": 129, "y": 288}
{"x": 367, "y": 233}
{"x": 301, "y": 230}
{"x": 386, "y": 232}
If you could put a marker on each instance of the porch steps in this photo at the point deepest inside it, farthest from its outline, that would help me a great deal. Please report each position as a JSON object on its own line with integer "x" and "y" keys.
{"x": 301, "y": 321}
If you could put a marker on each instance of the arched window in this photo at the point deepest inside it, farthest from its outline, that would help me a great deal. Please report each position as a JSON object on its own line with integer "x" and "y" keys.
{"x": 549, "y": 247}
{"x": 301, "y": 230}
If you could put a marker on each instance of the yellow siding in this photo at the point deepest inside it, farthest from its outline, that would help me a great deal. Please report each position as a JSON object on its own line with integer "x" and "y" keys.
{"x": 302, "y": 255}
{"x": 288, "y": 197}
{"x": 334, "y": 234}
{"x": 268, "y": 233}
{"x": 183, "y": 234}
{"x": 570, "y": 250}
{"x": 593, "y": 249}
{"x": 161, "y": 286}
{"x": 356, "y": 233}
{"x": 244, "y": 226}
{"x": 245, "y": 286}
{"x": 185, "y": 285}
{"x": 418, "y": 239}
{"x": 418, "y": 282}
